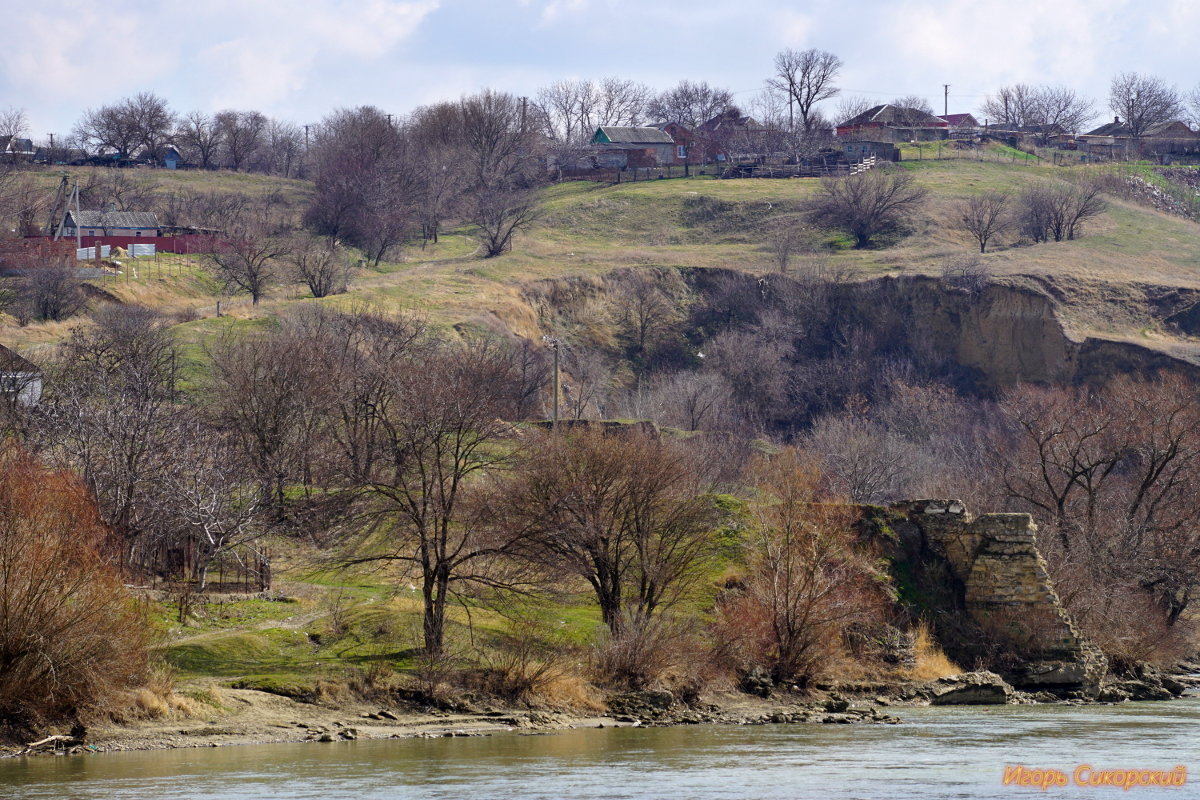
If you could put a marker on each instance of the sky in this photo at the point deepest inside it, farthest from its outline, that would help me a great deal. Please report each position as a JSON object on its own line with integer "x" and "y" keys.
{"x": 298, "y": 60}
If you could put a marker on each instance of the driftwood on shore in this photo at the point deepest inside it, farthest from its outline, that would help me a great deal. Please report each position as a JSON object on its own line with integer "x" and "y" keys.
{"x": 55, "y": 742}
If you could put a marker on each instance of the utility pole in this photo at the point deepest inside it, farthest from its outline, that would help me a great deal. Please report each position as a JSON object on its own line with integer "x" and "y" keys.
{"x": 946, "y": 98}
{"x": 524, "y": 103}
{"x": 52, "y": 148}
{"x": 554, "y": 343}
{"x": 389, "y": 119}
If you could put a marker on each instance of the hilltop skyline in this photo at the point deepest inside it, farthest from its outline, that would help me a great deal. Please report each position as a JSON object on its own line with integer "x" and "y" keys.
{"x": 300, "y": 65}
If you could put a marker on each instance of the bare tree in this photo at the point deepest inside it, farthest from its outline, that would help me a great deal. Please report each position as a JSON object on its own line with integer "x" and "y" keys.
{"x": 153, "y": 121}
{"x": 1193, "y": 105}
{"x": 913, "y": 109}
{"x": 985, "y": 216}
{"x": 439, "y": 178}
{"x": 282, "y": 152}
{"x": 246, "y": 261}
{"x": 1112, "y": 474}
{"x": 628, "y": 513}
{"x": 262, "y": 391}
{"x": 107, "y": 127}
{"x": 867, "y": 204}
{"x": 208, "y": 501}
{"x": 199, "y": 136}
{"x": 1012, "y": 108}
{"x": 241, "y": 136}
{"x": 693, "y": 401}
{"x": 568, "y": 110}
{"x": 318, "y": 263}
{"x": 621, "y": 102}
{"x": 1057, "y": 109}
{"x": 862, "y": 461}
{"x": 1143, "y": 101}
{"x": 690, "y": 104}
{"x": 13, "y": 122}
{"x": 850, "y": 107}
{"x": 365, "y": 178}
{"x": 498, "y": 213}
{"x": 806, "y": 77}
{"x": 432, "y": 436}
{"x": 108, "y": 415}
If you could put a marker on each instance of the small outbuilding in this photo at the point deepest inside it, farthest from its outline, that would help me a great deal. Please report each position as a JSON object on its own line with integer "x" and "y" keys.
{"x": 20, "y": 380}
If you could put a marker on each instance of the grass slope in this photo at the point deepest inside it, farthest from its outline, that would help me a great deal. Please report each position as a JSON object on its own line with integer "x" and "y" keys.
{"x": 587, "y": 228}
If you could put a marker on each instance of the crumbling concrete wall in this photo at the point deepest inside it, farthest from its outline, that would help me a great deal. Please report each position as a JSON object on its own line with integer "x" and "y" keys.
{"x": 1008, "y": 592}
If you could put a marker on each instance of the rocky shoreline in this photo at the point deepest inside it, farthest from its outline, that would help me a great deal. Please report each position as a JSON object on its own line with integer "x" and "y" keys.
{"x": 247, "y": 716}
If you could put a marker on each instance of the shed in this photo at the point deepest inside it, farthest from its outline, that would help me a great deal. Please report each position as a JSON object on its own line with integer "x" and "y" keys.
{"x": 20, "y": 380}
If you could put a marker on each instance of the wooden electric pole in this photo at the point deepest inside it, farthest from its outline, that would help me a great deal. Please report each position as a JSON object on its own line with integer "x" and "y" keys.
{"x": 554, "y": 345}
{"x": 946, "y": 98}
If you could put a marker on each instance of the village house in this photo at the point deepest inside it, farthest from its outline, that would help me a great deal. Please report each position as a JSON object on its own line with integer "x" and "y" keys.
{"x": 111, "y": 223}
{"x": 730, "y": 135}
{"x": 682, "y": 138}
{"x": 889, "y": 123}
{"x": 961, "y": 121}
{"x": 1116, "y": 140}
{"x": 14, "y": 148}
{"x": 622, "y": 147}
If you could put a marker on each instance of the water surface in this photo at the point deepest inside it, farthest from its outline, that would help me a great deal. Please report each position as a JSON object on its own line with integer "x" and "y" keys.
{"x": 938, "y": 753}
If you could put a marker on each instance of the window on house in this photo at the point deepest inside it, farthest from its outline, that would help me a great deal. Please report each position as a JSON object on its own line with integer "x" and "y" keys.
{"x": 137, "y": 233}
{"x": 681, "y": 151}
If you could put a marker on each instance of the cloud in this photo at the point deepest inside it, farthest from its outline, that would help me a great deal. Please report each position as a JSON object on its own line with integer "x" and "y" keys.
{"x": 280, "y": 49}
{"x": 76, "y": 50}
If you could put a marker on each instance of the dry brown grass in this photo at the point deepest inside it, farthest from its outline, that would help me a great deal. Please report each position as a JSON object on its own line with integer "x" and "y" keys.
{"x": 569, "y": 691}
{"x": 931, "y": 662}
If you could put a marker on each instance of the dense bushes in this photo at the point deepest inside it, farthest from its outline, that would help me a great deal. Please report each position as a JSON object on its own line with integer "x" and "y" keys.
{"x": 71, "y": 639}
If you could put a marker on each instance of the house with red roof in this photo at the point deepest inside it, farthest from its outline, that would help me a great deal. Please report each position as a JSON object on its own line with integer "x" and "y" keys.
{"x": 889, "y": 123}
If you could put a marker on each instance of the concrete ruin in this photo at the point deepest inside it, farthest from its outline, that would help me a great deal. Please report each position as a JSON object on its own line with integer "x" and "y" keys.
{"x": 1007, "y": 591}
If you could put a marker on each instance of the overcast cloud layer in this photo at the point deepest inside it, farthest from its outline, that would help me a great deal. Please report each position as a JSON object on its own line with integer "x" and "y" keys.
{"x": 299, "y": 60}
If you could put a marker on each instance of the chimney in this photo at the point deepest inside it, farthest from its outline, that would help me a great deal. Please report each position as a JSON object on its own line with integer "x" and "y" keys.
{"x": 1116, "y": 120}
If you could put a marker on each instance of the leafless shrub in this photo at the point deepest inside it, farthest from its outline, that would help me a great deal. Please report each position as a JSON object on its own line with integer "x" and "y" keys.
{"x": 971, "y": 274}
{"x": 1057, "y": 212}
{"x": 646, "y": 653}
{"x": 71, "y": 639}
{"x": 806, "y": 581}
{"x": 49, "y": 293}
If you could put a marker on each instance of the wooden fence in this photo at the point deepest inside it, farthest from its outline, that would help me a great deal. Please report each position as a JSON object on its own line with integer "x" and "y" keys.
{"x": 800, "y": 170}
{"x": 177, "y": 567}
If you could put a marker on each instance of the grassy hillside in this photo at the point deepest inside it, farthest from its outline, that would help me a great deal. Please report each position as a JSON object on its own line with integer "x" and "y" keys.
{"x": 588, "y": 228}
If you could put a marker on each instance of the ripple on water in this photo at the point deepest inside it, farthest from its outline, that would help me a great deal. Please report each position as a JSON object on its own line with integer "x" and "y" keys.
{"x": 938, "y": 753}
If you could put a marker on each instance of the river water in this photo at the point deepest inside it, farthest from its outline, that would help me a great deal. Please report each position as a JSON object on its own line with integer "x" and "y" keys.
{"x": 937, "y": 753}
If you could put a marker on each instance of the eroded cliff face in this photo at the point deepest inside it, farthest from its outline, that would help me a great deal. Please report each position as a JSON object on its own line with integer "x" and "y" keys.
{"x": 1003, "y": 584}
{"x": 992, "y": 336}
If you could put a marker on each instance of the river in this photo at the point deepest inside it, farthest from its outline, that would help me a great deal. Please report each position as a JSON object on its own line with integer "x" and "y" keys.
{"x": 937, "y": 753}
